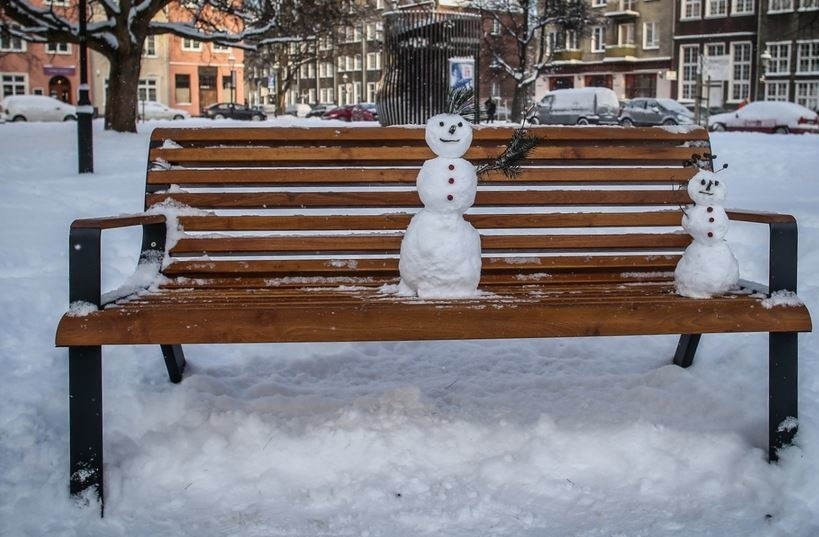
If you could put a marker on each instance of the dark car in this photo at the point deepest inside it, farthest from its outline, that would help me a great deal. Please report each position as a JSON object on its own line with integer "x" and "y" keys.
{"x": 654, "y": 111}
{"x": 364, "y": 112}
{"x": 343, "y": 113}
{"x": 233, "y": 111}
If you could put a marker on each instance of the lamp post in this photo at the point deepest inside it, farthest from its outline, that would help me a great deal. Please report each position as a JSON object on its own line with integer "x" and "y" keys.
{"x": 764, "y": 59}
{"x": 85, "y": 112}
{"x": 232, "y": 63}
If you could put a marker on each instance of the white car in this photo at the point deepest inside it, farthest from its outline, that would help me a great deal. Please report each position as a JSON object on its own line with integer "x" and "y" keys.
{"x": 767, "y": 116}
{"x": 36, "y": 108}
{"x": 156, "y": 110}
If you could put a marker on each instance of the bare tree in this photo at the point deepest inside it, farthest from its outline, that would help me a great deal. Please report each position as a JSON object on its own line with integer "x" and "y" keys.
{"x": 117, "y": 29}
{"x": 515, "y": 38}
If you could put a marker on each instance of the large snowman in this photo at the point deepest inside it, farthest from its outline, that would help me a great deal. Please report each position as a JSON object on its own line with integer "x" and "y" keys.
{"x": 708, "y": 267}
{"x": 441, "y": 252}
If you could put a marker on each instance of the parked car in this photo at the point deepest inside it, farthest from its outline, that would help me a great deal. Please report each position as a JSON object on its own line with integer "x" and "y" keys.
{"x": 36, "y": 108}
{"x": 319, "y": 109}
{"x": 767, "y": 116}
{"x": 577, "y": 106}
{"x": 298, "y": 110}
{"x": 650, "y": 111}
{"x": 233, "y": 111}
{"x": 344, "y": 113}
{"x": 156, "y": 110}
{"x": 364, "y": 112}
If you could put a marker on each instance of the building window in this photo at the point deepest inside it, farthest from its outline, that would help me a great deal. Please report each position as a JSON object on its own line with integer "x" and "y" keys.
{"x": 689, "y": 56}
{"x": 220, "y": 48}
{"x": 807, "y": 94}
{"x": 599, "y": 3}
{"x": 715, "y": 49}
{"x": 326, "y": 95}
{"x": 780, "y": 6}
{"x": 807, "y": 60}
{"x": 373, "y": 61}
{"x": 740, "y": 84}
{"x": 307, "y": 70}
{"x": 325, "y": 43}
{"x": 9, "y": 43}
{"x": 776, "y": 91}
{"x": 780, "y": 63}
{"x": 551, "y": 42}
{"x": 182, "y": 88}
{"x": 14, "y": 84}
{"x": 692, "y": 9}
{"x": 149, "y": 47}
{"x": 598, "y": 39}
{"x": 325, "y": 69}
{"x": 496, "y": 27}
{"x": 58, "y": 48}
{"x": 808, "y": 5}
{"x": 58, "y": 3}
{"x": 191, "y": 44}
{"x": 651, "y": 37}
{"x": 357, "y": 62}
{"x": 742, "y": 7}
{"x": 716, "y": 8}
{"x": 371, "y": 86}
{"x": 625, "y": 34}
{"x": 146, "y": 90}
{"x": 572, "y": 41}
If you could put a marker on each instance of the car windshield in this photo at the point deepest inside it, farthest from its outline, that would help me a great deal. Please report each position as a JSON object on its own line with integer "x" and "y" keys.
{"x": 674, "y": 106}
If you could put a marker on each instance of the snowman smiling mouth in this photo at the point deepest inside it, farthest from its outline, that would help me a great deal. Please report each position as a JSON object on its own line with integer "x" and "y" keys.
{"x": 450, "y": 141}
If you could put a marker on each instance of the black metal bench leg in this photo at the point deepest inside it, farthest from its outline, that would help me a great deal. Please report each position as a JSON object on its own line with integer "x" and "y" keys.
{"x": 85, "y": 420}
{"x": 783, "y": 397}
{"x": 686, "y": 349}
{"x": 174, "y": 361}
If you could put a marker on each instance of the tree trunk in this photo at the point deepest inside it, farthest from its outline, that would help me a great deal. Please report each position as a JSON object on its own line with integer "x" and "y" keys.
{"x": 122, "y": 98}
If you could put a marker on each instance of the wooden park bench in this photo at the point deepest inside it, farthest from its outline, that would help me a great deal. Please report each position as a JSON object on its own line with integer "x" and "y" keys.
{"x": 266, "y": 235}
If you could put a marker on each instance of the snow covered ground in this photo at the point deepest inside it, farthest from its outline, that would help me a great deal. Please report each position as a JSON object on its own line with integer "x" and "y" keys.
{"x": 562, "y": 437}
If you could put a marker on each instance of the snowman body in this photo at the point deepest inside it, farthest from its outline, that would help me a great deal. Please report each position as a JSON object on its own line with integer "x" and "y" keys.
{"x": 708, "y": 266}
{"x": 440, "y": 251}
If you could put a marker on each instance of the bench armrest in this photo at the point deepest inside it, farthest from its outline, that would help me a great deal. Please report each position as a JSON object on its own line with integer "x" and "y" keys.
{"x": 782, "y": 257}
{"x": 84, "y": 252}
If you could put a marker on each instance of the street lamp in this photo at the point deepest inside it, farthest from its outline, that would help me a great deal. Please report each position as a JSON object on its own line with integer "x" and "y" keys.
{"x": 764, "y": 59}
{"x": 85, "y": 111}
{"x": 232, "y": 63}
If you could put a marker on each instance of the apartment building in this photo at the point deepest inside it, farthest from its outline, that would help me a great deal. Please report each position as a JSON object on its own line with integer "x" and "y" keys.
{"x": 629, "y": 52}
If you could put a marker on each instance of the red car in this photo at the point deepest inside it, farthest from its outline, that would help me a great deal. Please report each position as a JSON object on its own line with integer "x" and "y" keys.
{"x": 343, "y": 113}
{"x": 364, "y": 112}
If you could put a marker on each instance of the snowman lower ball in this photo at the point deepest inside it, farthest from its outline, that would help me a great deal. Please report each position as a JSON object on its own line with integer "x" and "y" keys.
{"x": 708, "y": 266}
{"x": 440, "y": 251}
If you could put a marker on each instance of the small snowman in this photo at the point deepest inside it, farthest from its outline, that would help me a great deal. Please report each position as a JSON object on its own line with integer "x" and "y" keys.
{"x": 441, "y": 251}
{"x": 708, "y": 267}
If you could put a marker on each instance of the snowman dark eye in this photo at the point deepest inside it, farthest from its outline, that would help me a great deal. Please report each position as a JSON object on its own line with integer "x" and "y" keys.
{"x": 716, "y": 183}
{"x": 441, "y": 124}
{"x": 702, "y": 182}
{"x": 460, "y": 124}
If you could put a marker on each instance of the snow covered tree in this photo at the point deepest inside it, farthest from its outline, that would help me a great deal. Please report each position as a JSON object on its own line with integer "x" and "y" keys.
{"x": 516, "y": 38}
{"x": 117, "y": 29}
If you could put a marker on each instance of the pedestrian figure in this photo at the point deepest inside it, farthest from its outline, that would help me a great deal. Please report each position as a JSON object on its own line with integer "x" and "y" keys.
{"x": 491, "y": 107}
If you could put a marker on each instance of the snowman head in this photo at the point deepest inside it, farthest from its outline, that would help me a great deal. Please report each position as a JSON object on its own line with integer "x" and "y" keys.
{"x": 705, "y": 189}
{"x": 448, "y": 135}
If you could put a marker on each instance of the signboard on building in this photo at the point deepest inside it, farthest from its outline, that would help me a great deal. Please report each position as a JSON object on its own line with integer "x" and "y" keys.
{"x": 461, "y": 72}
{"x": 271, "y": 82}
{"x": 716, "y": 67}
{"x": 56, "y": 70}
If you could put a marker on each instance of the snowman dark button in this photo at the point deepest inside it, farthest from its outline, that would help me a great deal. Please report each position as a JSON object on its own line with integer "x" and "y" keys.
{"x": 449, "y": 197}
{"x": 710, "y": 209}
{"x": 711, "y": 219}
{"x": 710, "y": 234}
{"x": 451, "y": 180}
{"x": 451, "y": 166}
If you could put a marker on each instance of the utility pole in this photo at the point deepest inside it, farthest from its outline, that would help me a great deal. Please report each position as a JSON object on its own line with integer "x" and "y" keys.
{"x": 85, "y": 112}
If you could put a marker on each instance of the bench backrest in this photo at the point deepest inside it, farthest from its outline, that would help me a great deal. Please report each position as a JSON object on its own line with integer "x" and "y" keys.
{"x": 599, "y": 203}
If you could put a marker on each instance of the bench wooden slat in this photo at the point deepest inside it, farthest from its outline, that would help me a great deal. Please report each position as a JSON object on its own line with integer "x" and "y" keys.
{"x": 399, "y": 221}
{"x": 398, "y": 320}
{"x": 389, "y": 266}
{"x": 345, "y": 175}
{"x": 415, "y": 134}
{"x": 257, "y": 156}
{"x": 409, "y": 198}
{"x": 386, "y": 243}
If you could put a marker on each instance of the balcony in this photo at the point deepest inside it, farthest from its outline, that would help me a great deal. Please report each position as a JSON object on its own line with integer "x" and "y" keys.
{"x": 623, "y": 10}
{"x": 620, "y": 51}
{"x": 567, "y": 55}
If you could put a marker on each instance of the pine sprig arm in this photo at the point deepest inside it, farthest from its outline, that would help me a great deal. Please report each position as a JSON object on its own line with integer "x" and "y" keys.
{"x": 510, "y": 160}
